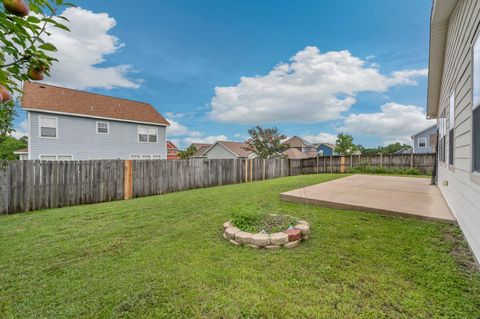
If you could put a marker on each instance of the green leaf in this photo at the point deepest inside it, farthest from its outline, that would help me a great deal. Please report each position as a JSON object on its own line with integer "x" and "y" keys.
{"x": 33, "y": 19}
{"x": 47, "y": 47}
{"x": 61, "y": 26}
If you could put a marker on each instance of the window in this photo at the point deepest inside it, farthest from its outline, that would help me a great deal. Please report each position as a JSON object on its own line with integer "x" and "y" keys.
{"x": 422, "y": 142}
{"x": 451, "y": 128}
{"x": 146, "y": 157}
{"x": 64, "y": 157}
{"x": 476, "y": 107}
{"x": 442, "y": 130}
{"x": 147, "y": 134}
{"x": 135, "y": 157}
{"x": 156, "y": 157}
{"x": 48, "y": 158}
{"x": 48, "y": 126}
{"x": 102, "y": 128}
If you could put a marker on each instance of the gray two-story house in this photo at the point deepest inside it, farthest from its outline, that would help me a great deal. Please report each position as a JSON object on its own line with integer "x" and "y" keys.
{"x": 425, "y": 141}
{"x": 66, "y": 124}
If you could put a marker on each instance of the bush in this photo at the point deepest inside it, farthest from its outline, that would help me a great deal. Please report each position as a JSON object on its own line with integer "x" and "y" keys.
{"x": 384, "y": 170}
{"x": 252, "y": 221}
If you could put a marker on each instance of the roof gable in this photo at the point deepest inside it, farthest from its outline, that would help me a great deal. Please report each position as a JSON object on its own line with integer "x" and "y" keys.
{"x": 53, "y": 99}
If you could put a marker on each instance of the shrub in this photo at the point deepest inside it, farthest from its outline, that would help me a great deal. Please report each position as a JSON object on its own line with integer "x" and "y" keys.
{"x": 363, "y": 169}
{"x": 252, "y": 221}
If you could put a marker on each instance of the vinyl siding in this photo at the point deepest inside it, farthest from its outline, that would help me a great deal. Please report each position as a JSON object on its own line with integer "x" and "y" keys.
{"x": 78, "y": 136}
{"x": 462, "y": 194}
{"x": 219, "y": 152}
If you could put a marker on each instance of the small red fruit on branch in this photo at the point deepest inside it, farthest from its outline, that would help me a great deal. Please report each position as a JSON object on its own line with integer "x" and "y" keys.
{"x": 16, "y": 7}
{"x": 5, "y": 95}
{"x": 36, "y": 72}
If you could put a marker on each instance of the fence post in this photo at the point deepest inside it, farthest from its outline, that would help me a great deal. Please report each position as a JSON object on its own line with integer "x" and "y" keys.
{"x": 263, "y": 169}
{"x": 342, "y": 164}
{"x": 251, "y": 170}
{"x": 351, "y": 160}
{"x": 411, "y": 160}
{"x": 127, "y": 181}
{"x": 381, "y": 160}
{"x": 317, "y": 165}
{"x": 246, "y": 170}
{"x": 331, "y": 164}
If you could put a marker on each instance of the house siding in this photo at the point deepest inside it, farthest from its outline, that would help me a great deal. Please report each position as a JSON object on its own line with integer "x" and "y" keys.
{"x": 218, "y": 151}
{"x": 77, "y": 136}
{"x": 425, "y": 134}
{"x": 461, "y": 193}
{"x": 327, "y": 151}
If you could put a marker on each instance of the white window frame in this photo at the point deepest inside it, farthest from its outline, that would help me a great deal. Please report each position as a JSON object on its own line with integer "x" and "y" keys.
{"x": 157, "y": 157}
{"x": 135, "y": 157}
{"x": 148, "y": 128}
{"x": 108, "y": 127}
{"x": 422, "y": 139}
{"x": 45, "y": 155}
{"x": 475, "y": 175}
{"x": 65, "y": 155}
{"x": 146, "y": 157}
{"x": 40, "y": 126}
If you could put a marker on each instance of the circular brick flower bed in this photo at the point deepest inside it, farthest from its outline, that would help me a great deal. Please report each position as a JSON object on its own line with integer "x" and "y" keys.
{"x": 290, "y": 238}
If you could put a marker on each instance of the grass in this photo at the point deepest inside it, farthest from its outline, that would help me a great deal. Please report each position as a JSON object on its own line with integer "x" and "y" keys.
{"x": 255, "y": 220}
{"x": 365, "y": 169}
{"x": 164, "y": 257}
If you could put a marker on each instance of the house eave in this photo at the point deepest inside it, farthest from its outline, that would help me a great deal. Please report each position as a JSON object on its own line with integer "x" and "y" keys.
{"x": 441, "y": 11}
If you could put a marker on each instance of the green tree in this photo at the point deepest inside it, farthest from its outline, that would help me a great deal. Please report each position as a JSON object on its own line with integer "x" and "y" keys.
{"x": 385, "y": 150}
{"x": 344, "y": 144}
{"x": 188, "y": 152}
{"x": 266, "y": 143}
{"x": 25, "y": 52}
{"x": 8, "y": 145}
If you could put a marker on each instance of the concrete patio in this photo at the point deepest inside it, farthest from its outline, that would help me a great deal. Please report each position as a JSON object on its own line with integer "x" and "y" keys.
{"x": 392, "y": 195}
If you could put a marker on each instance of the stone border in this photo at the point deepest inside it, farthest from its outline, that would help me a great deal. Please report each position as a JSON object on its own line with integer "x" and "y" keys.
{"x": 289, "y": 238}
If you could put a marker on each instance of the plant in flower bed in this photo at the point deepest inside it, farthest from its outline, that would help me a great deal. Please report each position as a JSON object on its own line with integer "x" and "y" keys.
{"x": 253, "y": 222}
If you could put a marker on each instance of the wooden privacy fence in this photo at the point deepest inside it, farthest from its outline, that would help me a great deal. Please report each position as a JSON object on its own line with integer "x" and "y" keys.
{"x": 33, "y": 185}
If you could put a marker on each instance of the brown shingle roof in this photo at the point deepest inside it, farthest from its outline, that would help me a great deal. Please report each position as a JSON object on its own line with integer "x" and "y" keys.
{"x": 294, "y": 153}
{"x": 240, "y": 149}
{"x": 201, "y": 148}
{"x": 296, "y": 141}
{"x": 44, "y": 97}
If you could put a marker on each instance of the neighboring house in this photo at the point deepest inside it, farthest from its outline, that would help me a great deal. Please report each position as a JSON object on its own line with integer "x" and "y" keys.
{"x": 66, "y": 124}
{"x": 226, "y": 150}
{"x": 425, "y": 141}
{"x": 454, "y": 100}
{"x": 172, "y": 151}
{"x": 293, "y": 153}
{"x": 325, "y": 149}
{"x": 300, "y": 144}
{"x": 201, "y": 148}
{"x": 22, "y": 154}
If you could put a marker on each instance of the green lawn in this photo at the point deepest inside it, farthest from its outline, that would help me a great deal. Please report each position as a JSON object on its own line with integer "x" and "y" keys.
{"x": 164, "y": 257}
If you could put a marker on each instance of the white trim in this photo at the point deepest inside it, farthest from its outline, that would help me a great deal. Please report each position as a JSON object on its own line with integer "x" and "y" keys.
{"x": 418, "y": 142}
{"x": 56, "y": 157}
{"x": 29, "y": 134}
{"x": 93, "y": 117}
{"x": 147, "y": 141}
{"x": 40, "y": 127}
{"x": 102, "y": 133}
{"x": 135, "y": 155}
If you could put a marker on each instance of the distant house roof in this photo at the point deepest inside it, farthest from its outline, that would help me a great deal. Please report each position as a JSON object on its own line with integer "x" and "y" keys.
{"x": 404, "y": 151}
{"x": 423, "y": 131}
{"x": 171, "y": 145}
{"x": 294, "y": 153}
{"x": 53, "y": 99}
{"x": 296, "y": 141}
{"x": 201, "y": 148}
{"x": 240, "y": 149}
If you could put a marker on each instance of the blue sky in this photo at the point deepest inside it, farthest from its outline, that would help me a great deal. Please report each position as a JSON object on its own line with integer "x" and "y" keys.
{"x": 173, "y": 54}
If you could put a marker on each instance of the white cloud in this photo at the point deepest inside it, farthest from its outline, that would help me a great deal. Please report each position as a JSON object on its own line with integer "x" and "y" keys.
{"x": 395, "y": 123}
{"x": 21, "y": 130}
{"x": 184, "y": 137}
{"x": 321, "y": 138}
{"x": 82, "y": 50}
{"x": 313, "y": 87}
